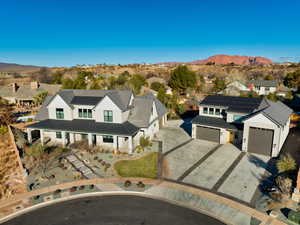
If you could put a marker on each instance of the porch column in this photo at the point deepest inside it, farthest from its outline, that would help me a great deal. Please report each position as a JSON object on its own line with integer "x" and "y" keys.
{"x": 63, "y": 136}
{"x": 115, "y": 144}
{"x": 42, "y": 137}
{"x": 130, "y": 144}
{"x": 29, "y": 137}
{"x": 90, "y": 139}
{"x": 72, "y": 138}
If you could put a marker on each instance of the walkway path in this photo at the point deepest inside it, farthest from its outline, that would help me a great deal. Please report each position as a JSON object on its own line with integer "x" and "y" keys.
{"x": 88, "y": 173}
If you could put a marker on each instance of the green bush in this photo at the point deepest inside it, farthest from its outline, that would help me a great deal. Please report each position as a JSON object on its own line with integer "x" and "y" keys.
{"x": 294, "y": 216}
{"x": 3, "y": 129}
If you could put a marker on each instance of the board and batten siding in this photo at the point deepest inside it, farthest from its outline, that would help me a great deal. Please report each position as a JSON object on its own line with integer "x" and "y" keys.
{"x": 58, "y": 102}
{"x": 107, "y": 104}
{"x": 261, "y": 121}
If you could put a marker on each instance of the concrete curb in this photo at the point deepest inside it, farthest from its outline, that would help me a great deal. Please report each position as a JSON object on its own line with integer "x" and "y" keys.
{"x": 129, "y": 193}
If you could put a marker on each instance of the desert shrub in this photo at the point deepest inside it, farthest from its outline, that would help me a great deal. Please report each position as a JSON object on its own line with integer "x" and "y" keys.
{"x": 140, "y": 184}
{"x": 294, "y": 216}
{"x": 3, "y": 129}
{"x": 73, "y": 189}
{"x": 56, "y": 192}
{"x": 286, "y": 163}
{"x": 127, "y": 183}
{"x": 284, "y": 184}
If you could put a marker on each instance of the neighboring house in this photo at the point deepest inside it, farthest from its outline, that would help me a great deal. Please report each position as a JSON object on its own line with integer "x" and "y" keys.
{"x": 25, "y": 93}
{"x": 112, "y": 118}
{"x": 257, "y": 125}
{"x": 234, "y": 89}
{"x": 263, "y": 87}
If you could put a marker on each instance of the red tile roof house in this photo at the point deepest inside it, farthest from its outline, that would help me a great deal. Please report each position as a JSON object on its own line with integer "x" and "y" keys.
{"x": 112, "y": 118}
{"x": 257, "y": 125}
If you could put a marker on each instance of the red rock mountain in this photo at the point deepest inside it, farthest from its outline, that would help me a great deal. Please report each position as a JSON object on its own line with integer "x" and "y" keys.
{"x": 239, "y": 60}
{"x": 227, "y": 59}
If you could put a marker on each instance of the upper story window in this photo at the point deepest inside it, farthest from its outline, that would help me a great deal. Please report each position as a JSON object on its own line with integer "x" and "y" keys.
{"x": 205, "y": 110}
{"x": 267, "y": 88}
{"x": 218, "y": 112}
{"x": 257, "y": 87}
{"x": 85, "y": 113}
{"x": 236, "y": 117}
{"x": 108, "y": 116}
{"x": 211, "y": 111}
{"x": 59, "y": 113}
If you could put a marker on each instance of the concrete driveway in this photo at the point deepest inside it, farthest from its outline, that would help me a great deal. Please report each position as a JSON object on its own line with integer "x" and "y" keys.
{"x": 223, "y": 169}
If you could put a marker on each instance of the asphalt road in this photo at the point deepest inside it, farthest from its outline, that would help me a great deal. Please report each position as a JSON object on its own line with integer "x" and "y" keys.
{"x": 113, "y": 210}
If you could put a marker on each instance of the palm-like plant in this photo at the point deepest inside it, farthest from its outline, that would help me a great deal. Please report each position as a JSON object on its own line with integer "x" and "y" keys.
{"x": 286, "y": 163}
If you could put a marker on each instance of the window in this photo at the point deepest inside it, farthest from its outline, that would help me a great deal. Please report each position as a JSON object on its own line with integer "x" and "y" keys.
{"x": 108, "y": 139}
{"x": 267, "y": 89}
{"x": 211, "y": 111}
{"x": 58, "y": 135}
{"x": 59, "y": 113}
{"x": 84, "y": 137}
{"x": 80, "y": 113}
{"x": 236, "y": 117}
{"x": 108, "y": 116}
{"x": 205, "y": 110}
{"x": 218, "y": 112}
{"x": 257, "y": 88}
{"x": 90, "y": 113}
{"x": 84, "y": 113}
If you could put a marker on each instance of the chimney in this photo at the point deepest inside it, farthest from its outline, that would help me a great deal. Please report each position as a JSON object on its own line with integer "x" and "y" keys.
{"x": 14, "y": 87}
{"x": 34, "y": 85}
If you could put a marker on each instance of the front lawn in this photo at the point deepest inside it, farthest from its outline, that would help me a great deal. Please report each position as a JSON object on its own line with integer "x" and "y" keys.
{"x": 142, "y": 167}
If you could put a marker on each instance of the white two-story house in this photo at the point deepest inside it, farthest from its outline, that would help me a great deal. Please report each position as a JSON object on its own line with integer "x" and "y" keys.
{"x": 263, "y": 87}
{"x": 112, "y": 118}
{"x": 256, "y": 125}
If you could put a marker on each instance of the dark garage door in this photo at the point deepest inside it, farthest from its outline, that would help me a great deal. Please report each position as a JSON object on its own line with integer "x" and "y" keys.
{"x": 260, "y": 141}
{"x": 209, "y": 134}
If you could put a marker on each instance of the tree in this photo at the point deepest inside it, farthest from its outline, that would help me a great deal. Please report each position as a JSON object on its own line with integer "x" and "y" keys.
{"x": 269, "y": 77}
{"x": 57, "y": 77}
{"x": 137, "y": 81}
{"x": 43, "y": 75}
{"x": 68, "y": 83}
{"x": 95, "y": 85}
{"x": 40, "y": 98}
{"x": 273, "y": 97}
{"x": 144, "y": 143}
{"x": 182, "y": 78}
{"x": 156, "y": 86}
{"x": 161, "y": 95}
{"x": 286, "y": 163}
{"x": 292, "y": 80}
{"x": 219, "y": 84}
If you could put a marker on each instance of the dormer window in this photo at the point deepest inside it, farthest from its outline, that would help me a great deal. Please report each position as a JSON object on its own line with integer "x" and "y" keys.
{"x": 218, "y": 112}
{"x": 85, "y": 113}
{"x": 59, "y": 113}
{"x": 205, "y": 110}
{"x": 108, "y": 116}
{"x": 211, "y": 111}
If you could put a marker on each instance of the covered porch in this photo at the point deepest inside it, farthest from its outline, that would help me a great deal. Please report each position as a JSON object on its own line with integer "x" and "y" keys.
{"x": 120, "y": 137}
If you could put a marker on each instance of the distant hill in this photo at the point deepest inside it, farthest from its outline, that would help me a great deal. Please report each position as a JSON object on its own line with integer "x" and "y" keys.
{"x": 227, "y": 59}
{"x": 12, "y": 67}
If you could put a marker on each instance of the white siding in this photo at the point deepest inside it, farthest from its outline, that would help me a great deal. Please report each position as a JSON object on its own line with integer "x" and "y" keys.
{"x": 108, "y": 104}
{"x": 75, "y": 111}
{"x": 58, "y": 102}
{"x": 261, "y": 121}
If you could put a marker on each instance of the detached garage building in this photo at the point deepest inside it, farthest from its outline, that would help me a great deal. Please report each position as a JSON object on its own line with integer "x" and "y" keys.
{"x": 257, "y": 125}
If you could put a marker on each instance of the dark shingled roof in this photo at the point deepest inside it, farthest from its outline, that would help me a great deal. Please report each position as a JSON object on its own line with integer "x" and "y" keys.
{"x": 213, "y": 122}
{"x": 233, "y": 103}
{"x": 85, "y": 100}
{"x": 87, "y": 126}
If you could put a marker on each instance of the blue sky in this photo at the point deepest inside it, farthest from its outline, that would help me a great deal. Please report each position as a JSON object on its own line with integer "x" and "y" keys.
{"x": 70, "y": 32}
